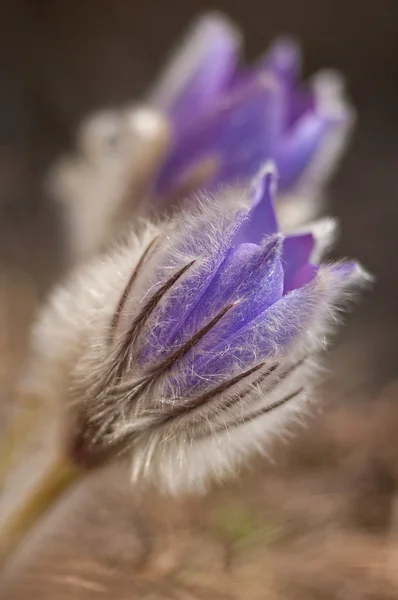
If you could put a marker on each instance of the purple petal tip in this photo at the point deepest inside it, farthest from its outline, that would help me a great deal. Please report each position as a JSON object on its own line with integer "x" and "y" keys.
{"x": 352, "y": 271}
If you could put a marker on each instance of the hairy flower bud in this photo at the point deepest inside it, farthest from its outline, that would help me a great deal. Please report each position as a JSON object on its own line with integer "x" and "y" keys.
{"x": 103, "y": 186}
{"x": 193, "y": 342}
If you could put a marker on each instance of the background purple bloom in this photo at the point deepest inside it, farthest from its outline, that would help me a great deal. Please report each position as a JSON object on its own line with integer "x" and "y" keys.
{"x": 234, "y": 118}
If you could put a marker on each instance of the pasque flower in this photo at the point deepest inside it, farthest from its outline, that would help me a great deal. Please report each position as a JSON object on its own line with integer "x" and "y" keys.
{"x": 227, "y": 119}
{"x": 194, "y": 341}
{"x": 207, "y": 121}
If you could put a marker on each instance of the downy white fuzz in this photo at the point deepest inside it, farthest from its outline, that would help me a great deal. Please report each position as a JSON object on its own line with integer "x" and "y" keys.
{"x": 104, "y": 184}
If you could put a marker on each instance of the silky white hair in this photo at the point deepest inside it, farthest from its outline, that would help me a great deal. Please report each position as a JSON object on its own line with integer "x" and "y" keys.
{"x": 106, "y": 182}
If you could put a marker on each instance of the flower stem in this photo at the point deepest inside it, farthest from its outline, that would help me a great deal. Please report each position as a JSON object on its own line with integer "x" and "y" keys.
{"x": 58, "y": 478}
{"x": 12, "y": 443}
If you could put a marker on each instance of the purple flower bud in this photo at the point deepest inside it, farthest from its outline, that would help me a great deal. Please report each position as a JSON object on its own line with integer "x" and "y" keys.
{"x": 191, "y": 344}
{"x": 227, "y": 120}
{"x": 208, "y": 122}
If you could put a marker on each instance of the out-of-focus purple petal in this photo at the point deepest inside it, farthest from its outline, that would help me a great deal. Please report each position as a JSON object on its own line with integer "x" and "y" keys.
{"x": 229, "y": 120}
{"x": 300, "y": 146}
{"x": 301, "y": 102}
{"x": 199, "y": 72}
{"x": 242, "y": 131}
{"x": 284, "y": 60}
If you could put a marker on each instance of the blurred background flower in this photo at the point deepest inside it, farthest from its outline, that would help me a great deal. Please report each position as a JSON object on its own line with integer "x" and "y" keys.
{"x": 226, "y": 119}
{"x": 213, "y": 121}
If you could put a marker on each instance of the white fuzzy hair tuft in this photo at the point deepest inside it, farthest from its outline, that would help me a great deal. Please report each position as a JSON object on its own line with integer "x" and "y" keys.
{"x": 106, "y": 182}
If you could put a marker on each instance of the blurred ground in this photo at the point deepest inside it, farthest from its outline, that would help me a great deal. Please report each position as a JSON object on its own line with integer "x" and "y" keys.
{"x": 320, "y": 524}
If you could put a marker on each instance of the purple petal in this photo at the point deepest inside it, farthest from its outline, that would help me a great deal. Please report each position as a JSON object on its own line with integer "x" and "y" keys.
{"x": 262, "y": 217}
{"x": 300, "y": 146}
{"x": 252, "y": 277}
{"x": 302, "y": 101}
{"x": 295, "y": 318}
{"x": 199, "y": 72}
{"x": 242, "y": 131}
{"x": 301, "y": 277}
{"x": 284, "y": 60}
{"x": 297, "y": 250}
{"x": 270, "y": 333}
{"x": 198, "y": 240}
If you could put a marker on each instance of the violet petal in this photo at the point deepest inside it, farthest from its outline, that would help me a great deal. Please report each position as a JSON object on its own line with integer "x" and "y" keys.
{"x": 300, "y": 146}
{"x": 297, "y": 250}
{"x": 199, "y": 72}
{"x": 262, "y": 217}
{"x": 242, "y": 131}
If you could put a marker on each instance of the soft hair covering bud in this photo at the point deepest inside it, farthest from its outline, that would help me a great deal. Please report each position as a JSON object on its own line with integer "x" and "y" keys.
{"x": 104, "y": 184}
{"x": 192, "y": 343}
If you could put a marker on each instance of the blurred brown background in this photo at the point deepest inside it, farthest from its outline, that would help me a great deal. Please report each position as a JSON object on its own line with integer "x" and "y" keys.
{"x": 59, "y": 61}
